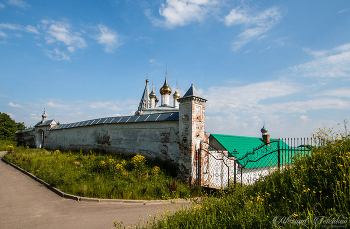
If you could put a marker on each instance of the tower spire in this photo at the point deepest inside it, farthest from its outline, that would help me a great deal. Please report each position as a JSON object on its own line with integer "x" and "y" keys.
{"x": 145, "y": 101}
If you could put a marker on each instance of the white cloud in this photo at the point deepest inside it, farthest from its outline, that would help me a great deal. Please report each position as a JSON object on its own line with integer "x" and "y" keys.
{"x": 14, "y": 105}
{"x": 260, "y": 21}
{"x": 304, "y": 118}
{"x": 2, "y": 34}
{"x": 182, "y": 12}
{"x": 154, "y": 62}
{"x": 70, "y": 49}
{"x": 108, "y": 37}
{"x": 59, "y": 31}
{"x": 31, "y": 29}
{"x": 2, "y": 6}
{"x": 57, "y": 55}
{"x": 327, "y": 63}
{"x": 18, "y": 35}
{"x": 58, "y": 106}
{"x": 340, "y": 92}
{"x": 10, "y": 26}
{"x": 344, "y": 10}
{"x": 246, "y": 98}
{"x": 114, "y": 105}
{"x": 18, "y": 3}
{"x": 304, "y": 106}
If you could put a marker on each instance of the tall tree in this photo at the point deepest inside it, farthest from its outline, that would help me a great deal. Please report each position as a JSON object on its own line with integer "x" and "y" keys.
{"x": 8, "y": 126}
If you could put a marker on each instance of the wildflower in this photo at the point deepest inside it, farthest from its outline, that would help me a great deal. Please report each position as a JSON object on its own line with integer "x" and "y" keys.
{"x": 344, "y": 181}
{"x": 138, "y": 160}
{"x": 156, "y": 170}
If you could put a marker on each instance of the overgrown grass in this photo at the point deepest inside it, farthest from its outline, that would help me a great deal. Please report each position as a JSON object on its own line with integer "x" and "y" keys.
{"x": 316, "y": 186}
{"x": 103, "y": 176}
{"x": 5, "y": 145}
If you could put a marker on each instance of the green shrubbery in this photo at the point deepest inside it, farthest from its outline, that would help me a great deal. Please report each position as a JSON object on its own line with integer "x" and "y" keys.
{"x": 102, "y": 176}
{"x": 316, "y": 186}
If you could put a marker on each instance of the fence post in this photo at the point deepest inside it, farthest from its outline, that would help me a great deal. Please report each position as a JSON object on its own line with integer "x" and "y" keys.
{"x": 199, "y": 161}
{"x": 279, "y": 154}
{"x": 234, "y": 174}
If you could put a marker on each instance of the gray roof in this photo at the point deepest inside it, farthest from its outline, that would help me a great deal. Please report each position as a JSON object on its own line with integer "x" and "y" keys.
{"x": 25, "y": 130}
{"x": 45, "y": 123}
{"x": 192, "y": 92}
{"x": 173, "y": 116}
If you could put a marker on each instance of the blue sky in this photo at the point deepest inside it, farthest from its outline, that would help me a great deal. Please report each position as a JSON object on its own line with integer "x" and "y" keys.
{"x": 282, "y": 63}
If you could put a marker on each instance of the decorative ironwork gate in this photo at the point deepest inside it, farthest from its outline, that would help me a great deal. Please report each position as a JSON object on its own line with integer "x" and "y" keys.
{"x": 219, "y": 169}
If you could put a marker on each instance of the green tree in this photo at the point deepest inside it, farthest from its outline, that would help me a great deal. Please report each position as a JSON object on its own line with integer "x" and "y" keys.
{"x": 20, "y": 126}
{"x": 8, "y": 126}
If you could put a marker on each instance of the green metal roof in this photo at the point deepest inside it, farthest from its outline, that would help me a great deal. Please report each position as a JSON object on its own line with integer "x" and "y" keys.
{"x": 240, "y": 144}
{"x": 264, "y": 155}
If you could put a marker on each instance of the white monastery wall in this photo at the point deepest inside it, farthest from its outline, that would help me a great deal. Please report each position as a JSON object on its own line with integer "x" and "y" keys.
{"x": 151, "y": 139}
{"x": 26, "y": 137}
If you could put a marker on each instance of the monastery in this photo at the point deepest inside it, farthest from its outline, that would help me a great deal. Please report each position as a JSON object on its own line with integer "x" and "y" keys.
{"x": 172, "y": 132}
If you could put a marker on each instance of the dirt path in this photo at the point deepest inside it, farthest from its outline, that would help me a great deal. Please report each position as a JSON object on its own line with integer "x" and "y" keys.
{"x": 24, "y": 203}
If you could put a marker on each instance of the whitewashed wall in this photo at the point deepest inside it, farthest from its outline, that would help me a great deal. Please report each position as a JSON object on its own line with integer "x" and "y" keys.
{"x": 151, "y": 139}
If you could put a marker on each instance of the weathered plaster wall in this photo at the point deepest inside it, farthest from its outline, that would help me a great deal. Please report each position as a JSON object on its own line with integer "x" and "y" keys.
{"x": 151, "y": 139}
{"x": 26, "y": 137}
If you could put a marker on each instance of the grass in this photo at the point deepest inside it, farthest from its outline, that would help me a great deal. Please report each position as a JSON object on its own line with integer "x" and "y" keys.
{"x": 5, "y": 144}
{"x": 98, "y": 175}
{"x": 315, "y": 188}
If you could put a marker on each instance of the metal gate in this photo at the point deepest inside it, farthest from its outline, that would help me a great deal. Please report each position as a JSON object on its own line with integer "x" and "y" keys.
{"x": 219, "y": 169}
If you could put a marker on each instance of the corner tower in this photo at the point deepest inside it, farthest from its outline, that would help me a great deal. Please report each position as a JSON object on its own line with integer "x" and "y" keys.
{"x": 191, "y": 132}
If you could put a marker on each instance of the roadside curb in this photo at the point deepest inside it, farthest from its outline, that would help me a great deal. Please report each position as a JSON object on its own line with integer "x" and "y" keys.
{"x": 87, "y": 199}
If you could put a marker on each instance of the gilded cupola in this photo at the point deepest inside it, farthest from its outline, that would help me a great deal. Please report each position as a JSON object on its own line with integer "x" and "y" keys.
{"x": 165, "y": 90}
{"x": 176, "y": 95}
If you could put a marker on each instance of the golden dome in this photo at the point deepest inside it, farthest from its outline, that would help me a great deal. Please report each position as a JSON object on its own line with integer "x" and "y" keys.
{"x": 176, "y": 95}
{"x": 165, "y": 90}
{"x": 156, "y": 100}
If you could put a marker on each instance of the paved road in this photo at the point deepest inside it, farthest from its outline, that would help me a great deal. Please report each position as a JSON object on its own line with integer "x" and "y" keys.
{"x": 24, "y": 203}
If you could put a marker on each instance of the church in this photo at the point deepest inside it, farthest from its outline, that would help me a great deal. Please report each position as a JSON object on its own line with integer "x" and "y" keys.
{"x": 172, "y": 132}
